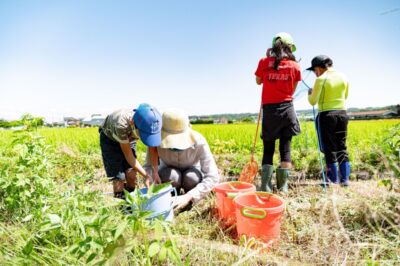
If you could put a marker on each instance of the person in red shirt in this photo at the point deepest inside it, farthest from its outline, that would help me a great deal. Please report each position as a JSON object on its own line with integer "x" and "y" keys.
{"x": 279, "y": 74}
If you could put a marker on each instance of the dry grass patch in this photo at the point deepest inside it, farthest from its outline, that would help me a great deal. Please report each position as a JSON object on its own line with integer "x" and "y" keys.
{"x": 358, "y": 225}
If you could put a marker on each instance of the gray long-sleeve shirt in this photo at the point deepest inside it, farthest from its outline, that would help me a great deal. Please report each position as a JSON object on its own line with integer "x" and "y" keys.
{"x": 199, "y": 156}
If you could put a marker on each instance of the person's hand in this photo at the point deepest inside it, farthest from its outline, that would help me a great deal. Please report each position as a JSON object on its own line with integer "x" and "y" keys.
{"x": 156, "y": 178}
{"x": 182, "y": 201}
{"x": 147, "y": 180}
{"x": 309, "y": 91}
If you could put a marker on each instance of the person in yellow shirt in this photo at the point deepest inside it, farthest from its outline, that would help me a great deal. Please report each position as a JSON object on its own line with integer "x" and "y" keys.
{"x": 330, "y": 91}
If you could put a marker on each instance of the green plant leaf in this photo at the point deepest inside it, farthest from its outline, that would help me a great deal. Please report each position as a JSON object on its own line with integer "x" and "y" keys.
{"x": 128, "y": 197}
{"x": 73, "y": 249}
{"x": 21, "y": 180}
{"x": 27, "y": 250}
{"x": 54, "y": 218}
{"x": 162, "y": 255}
{"x": 109, "y": 250}
{"x": 27, "y": 194}
{"x": 120, "y": 229}
{"x": 103, "y": 218}
{"x": 120, "y": 242}
{"x": 45, "y": 208}
{"x": 96, "y": 245}
{"x": 158, "y": 230}
{"x": 154, "y": 188}
{"x": 48, "y": 227}
{"x": 27, "y": 218}
{"x": 386, "y": 183}
{"x": 154, "y": 249}
{"x": 91, "y": 257}
{"x": 81, "y": 227}
{"x": 172, "y": 255}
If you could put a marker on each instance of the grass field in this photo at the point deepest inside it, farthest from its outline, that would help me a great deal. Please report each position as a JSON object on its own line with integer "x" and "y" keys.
{"x": 54, "y": 211}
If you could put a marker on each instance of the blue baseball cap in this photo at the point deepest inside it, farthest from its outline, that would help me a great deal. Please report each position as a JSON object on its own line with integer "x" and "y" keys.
{"x": 148, "y": 121}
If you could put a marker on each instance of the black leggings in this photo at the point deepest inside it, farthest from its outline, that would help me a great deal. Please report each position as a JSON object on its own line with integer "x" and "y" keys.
{"x": 284, "y": 150}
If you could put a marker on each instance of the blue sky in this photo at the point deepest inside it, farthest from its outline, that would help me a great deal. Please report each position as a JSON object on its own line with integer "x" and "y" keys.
{"x": 82, "y": 57}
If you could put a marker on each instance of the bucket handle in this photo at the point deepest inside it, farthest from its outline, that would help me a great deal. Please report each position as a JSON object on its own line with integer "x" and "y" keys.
{"x": 231, "y": 195}
{"x": 176, "y": 195}
{"x": 249, "y": 212}
{"x": 232, "y": 187}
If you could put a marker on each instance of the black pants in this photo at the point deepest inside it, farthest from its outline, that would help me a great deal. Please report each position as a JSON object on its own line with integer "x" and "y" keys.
{"x": 332, "y": 129}
{"x": 284, "y": 150}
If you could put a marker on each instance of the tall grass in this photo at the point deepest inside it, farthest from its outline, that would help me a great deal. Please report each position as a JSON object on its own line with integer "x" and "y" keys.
{"x": 365, "y": 142}
{"x": 232, "y": 144}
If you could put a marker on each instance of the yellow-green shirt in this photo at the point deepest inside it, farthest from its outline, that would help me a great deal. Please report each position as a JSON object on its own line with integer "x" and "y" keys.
{"x": 330, "y": 91}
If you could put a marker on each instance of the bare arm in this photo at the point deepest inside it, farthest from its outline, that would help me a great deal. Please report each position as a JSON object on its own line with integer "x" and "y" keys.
{"x": 153, "y": 158}
{"x": 258, "y": 80}
{"x": 295, "y": 87}
{"x": 154, "y": 164}
{"x": 126, "y": 149}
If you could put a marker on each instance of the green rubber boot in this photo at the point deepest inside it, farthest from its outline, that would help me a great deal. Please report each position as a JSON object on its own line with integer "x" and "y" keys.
{"x": 282, "y": 175}
{"x": 266, "y": 177}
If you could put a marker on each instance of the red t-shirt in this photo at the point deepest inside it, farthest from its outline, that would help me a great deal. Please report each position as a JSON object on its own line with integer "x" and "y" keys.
{"x": 278, "y": 85}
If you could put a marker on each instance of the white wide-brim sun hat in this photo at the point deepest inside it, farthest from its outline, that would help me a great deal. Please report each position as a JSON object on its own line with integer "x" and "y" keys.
{"x": 176, "y": 132}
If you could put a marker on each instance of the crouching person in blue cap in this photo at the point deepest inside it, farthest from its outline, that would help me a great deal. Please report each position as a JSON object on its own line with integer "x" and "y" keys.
{"x": 185, "y": 159}
{"x": 118, "y": 135}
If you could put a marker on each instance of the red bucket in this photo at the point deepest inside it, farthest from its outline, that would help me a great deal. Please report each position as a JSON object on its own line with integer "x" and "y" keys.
{"x": 225, "y": 193}
{"x": 258, "y": 214}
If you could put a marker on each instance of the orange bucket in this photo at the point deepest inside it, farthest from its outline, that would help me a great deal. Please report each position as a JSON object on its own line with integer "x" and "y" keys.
{"x": 226, "y": 192}
{"x": 258, "y": 214}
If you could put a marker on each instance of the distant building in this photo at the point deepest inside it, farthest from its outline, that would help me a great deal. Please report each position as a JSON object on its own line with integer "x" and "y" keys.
{"x": 198, "y": 117}
{"x": 72, "y": 121}
{"x": 201, "y": 120}
{"x": 222, "y": 120}
{"x": 372, "y": 114}
{"x": 94, "y": 120}
{"x": 55, "y": 124}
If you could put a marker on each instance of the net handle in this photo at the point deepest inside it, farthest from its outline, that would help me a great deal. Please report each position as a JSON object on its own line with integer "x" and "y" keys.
{"x": 255, "y": 138}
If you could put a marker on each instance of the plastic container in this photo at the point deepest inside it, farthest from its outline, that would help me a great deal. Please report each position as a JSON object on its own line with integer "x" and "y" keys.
{"x": 259, "y": 214}
{"x": 160, "y": 204}
{"x": 225, "y": 193}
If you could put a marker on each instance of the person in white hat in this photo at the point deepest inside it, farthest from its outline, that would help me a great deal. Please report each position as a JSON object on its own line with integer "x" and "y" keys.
{"x": 185, "y": 159}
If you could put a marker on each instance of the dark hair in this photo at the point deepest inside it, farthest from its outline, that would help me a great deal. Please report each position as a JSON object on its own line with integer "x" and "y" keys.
{"x": 281, "y": 50}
